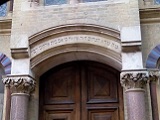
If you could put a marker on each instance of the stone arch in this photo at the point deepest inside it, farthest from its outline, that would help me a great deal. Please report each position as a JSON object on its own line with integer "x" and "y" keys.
{"x": 6, "y": 63}
{"x": 153, "y": 57}
{"x": 153, "y": 62}
{"x": 74, "y": 42}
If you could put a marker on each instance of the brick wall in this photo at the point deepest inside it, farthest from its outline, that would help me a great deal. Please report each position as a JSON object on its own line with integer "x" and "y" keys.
{"x": 32, "y": 20}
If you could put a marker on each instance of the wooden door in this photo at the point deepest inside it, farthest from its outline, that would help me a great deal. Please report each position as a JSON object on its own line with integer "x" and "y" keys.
{"x": 81, "y": 91}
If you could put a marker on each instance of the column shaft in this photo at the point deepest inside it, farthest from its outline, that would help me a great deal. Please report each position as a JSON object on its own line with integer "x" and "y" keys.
{"x": 20, "y": 86}
{"x": 134, "y": 83}
{"x": 135, "y": 101}
{"x": 19, "y": 106}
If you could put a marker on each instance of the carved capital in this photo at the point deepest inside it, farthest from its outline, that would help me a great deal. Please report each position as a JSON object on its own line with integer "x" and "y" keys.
{"x": 135, "y": 79}
{"x": 20, "y": 83}
{"x": 153, "y": 75}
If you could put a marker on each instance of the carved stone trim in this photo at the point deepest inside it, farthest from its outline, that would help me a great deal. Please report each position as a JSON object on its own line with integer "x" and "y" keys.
{"x": 19, "y": 83}
{"x": 5, "y": 26}
{"x": 135, "y": 79}
{"x": 153, "y": 75}
{"x": 150, "y": 15}
{"x": 20, "y": 52}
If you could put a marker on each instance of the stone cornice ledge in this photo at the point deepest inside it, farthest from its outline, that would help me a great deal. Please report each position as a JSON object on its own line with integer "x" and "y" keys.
{"x": 5, "y": 26}
{"x": 20, "y": 83}
{"x": 20, "y": 52}
{"x": 150, "y": 15}
{"x": 131, "y": 45}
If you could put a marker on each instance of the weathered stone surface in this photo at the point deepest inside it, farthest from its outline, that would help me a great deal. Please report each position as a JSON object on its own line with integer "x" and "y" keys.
{"x": 75, "y": 39}
{"x": 134, "y": 79}
{"x": 20, "y": 83}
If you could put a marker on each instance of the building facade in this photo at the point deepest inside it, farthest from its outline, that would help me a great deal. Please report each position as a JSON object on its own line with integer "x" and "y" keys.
{"x": 80, "y": 60}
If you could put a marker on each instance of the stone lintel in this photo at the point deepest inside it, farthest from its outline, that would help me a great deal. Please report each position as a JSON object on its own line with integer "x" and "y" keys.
{"x": 20, "y": 83}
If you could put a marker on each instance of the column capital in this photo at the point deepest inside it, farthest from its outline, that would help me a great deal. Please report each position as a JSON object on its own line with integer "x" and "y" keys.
{"x": 153, "y": 74}
{"x": 134, "y": 79}
{"x": 19, "y": 83}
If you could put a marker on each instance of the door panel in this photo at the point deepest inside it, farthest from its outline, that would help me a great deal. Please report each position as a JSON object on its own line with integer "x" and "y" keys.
{"x": 81, "y": 91}
{"x": 58, "y": 115}
{"x": 104, "y": 114}
{"x": 101, "y": 85}
{"x": 60, "y": 86}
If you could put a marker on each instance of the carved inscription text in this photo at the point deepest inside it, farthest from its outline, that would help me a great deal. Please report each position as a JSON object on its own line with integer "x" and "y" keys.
{"x": 75, "y": 39}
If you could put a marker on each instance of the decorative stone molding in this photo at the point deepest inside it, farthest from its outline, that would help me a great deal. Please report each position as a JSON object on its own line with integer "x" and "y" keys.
{"x": 20, "y": 83}
{"x": 149, "y": 15}
{"x": 153, "y": 74}
{"x": 5, "y": 26}
{"x": 134, "y": 79}
{"x": 138, "y": 79}
{"x": 20, "y": 52}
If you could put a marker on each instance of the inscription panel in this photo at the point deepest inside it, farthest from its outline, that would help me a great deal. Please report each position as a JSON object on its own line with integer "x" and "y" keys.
{"x": 74, "y": 39}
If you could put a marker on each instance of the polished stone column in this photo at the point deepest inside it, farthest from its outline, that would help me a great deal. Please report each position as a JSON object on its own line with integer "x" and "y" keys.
{"x": 21, "y": 86}
{"x": 134, "y": 83}
{"x": 154, "y": 91}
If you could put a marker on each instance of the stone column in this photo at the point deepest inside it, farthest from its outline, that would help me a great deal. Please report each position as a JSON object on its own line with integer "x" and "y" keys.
{"x": 134, "y": 83}
{"x": 154, "y": 92}
{"x": 21, "y": 86}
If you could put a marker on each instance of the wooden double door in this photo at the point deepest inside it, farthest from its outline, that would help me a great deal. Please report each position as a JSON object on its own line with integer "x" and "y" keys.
{"x": 81, "y": 91}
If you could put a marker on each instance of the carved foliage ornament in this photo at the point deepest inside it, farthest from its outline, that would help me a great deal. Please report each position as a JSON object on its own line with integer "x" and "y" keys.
{"x": 20, "y": 84}
{"x": 134, "y": 80}
{"x": 153, "y": 75}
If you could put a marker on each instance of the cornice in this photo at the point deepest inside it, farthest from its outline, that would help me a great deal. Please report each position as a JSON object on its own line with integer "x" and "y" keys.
{"x": 149, "y": 15}
{"x": 5, "y": 26}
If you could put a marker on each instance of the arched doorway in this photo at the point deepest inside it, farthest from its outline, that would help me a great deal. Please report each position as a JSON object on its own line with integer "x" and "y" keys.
{"x": 81, "y": 90}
